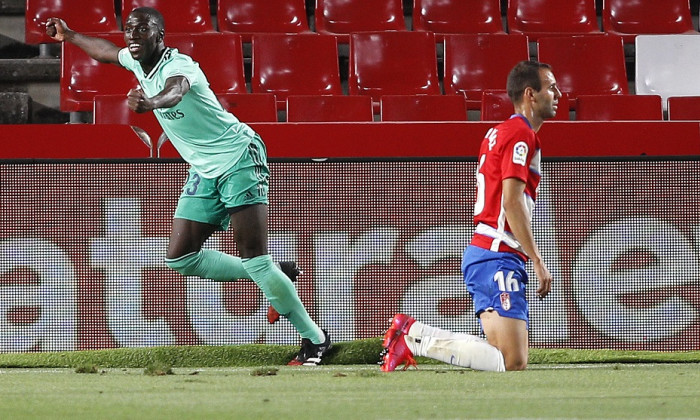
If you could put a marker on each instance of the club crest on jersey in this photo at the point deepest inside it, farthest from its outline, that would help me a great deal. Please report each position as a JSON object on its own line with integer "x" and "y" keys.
{"x": 520, "y": 153}
{"x": 505, "y": 301}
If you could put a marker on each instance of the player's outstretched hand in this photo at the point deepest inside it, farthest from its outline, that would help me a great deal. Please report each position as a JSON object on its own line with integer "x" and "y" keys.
{"x": 137, "y": 100}
{"x": 545, "y": 278}
{"x": 56, "y": 28}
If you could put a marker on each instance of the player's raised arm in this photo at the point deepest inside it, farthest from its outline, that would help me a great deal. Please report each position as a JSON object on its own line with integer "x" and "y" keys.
{"x": 97, "y": 48}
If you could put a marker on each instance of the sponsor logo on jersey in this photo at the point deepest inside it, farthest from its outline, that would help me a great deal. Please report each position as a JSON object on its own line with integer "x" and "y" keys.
{"x": 172, "y": 115}
{"x": 520, "y": 153}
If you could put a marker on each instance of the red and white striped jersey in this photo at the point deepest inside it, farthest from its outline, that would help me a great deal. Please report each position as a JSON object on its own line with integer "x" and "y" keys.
{"x": 509, "y": 150}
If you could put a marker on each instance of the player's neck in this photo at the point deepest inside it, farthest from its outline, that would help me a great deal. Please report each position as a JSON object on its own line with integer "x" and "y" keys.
{"x": 530, "y": 115}
{"x": 150, "y": 63}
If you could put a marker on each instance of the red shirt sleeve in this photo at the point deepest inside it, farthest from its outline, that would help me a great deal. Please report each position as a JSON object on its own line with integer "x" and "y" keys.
{"x": 518, "y": 151}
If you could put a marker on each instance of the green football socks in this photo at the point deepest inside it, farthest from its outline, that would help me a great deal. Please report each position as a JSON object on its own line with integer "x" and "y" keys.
{"x": 280, "y": 291}
{"x": 275, "y": 285}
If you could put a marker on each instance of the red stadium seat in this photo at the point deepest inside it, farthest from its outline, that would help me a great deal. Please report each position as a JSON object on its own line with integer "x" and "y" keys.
{"x": 393, "y": 63}
{"x": 457, "y": 16}
{"x": 586, "y": 65}
{"x": 552, "y": 18}
{"x": 496, "y": 106}
{"x": 423, "y": 108}
{"x": 630, "y": 18}
{"x": 188, "y": 16}
{"x": 249, "y": 17}
{"x": 82, "y": 77}
{"x": 474, "y": 63}
{"x": 341, "y": 17}
{"x": 219, "y": 55}
{"x": 250, "y": 107}
{"x": 81, "y": 15}
{"x": 113, "y": 109}
{"x": 299, "y": 64}
{"x": 329, "y": 108}
{"x": 618, "y": 107}
{"x": 684, "y": 108}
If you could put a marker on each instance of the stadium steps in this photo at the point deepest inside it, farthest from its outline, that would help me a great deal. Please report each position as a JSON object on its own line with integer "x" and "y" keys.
{"x": 29, "y": 84}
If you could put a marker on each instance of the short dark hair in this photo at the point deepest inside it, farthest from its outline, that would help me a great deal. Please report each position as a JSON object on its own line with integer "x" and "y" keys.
{"x": 525, "y": 74}
{"x": 155, "y": 15}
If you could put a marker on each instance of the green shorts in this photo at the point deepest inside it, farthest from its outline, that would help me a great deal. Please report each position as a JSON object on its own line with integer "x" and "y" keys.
{"x": 209, "y": 200}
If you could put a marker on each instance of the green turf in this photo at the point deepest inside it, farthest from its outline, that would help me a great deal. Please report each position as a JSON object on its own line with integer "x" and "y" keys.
{"x": 355, "y": 392}
{"x": 252, "y": 381}
{"x": 354, "y": 352}
{"x": 345, "y": 353}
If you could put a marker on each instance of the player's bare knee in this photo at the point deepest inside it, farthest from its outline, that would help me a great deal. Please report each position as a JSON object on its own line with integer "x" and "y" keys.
{"x": 185, "y": 265}
{"x": 515, "y": 363}
{"x": 251, "y": 251}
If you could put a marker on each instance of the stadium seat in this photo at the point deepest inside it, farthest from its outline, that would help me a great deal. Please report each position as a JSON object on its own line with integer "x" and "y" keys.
{"x": 341, "y": 17}
{"x": 393, "y": 63}
{"x": 188, "y": 16}
{"x": 81, "y": 15}
{"x": 250, "y": 107}
{"x": 301, "y": 64}
{"x": 618, "y": 107}
{"x": 82, "y": 77}
{"x": 457, "y": 17}
{"x": 667, "y": 65}
{"x": 220, "y": 55}
{"x": 630, "y": 18}
{"x": 329, "y": 108}
{"x": 496, "y": 106}
{"x": 552, "y": 18}
{"x": 683, "y": 108}
{"x": 477, "y": 62}
{"x": 113, "y": 109}
{"x": 248, "y": 17}
{"x": 586, "y": 65}
{"x": 423, "y": 108}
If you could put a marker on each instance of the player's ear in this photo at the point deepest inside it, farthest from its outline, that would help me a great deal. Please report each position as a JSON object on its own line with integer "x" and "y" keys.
{"x": 529, "y": 93}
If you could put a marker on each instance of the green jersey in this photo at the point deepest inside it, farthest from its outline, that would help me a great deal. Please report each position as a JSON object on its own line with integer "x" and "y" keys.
{"x": 209, "y": 138}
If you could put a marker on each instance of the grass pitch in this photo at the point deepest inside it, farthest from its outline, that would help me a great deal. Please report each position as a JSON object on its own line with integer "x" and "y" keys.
{"x": 252, "y": 382}
{"x": 354, "y": 392}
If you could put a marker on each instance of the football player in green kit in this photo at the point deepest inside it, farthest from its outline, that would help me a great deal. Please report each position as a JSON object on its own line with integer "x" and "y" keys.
{"x": 228, "y": 178}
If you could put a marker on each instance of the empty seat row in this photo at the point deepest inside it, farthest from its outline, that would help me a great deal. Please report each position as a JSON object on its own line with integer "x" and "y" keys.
{"x": 380, "y": 63}
{"x": 496, "y": 106}
{"x": 99, "y": 16}
{"x": 261, "y": 107}
{"x": 286, "y": 65}
{"x": 537, "y": 18}
{"x": 534, "y": 18}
